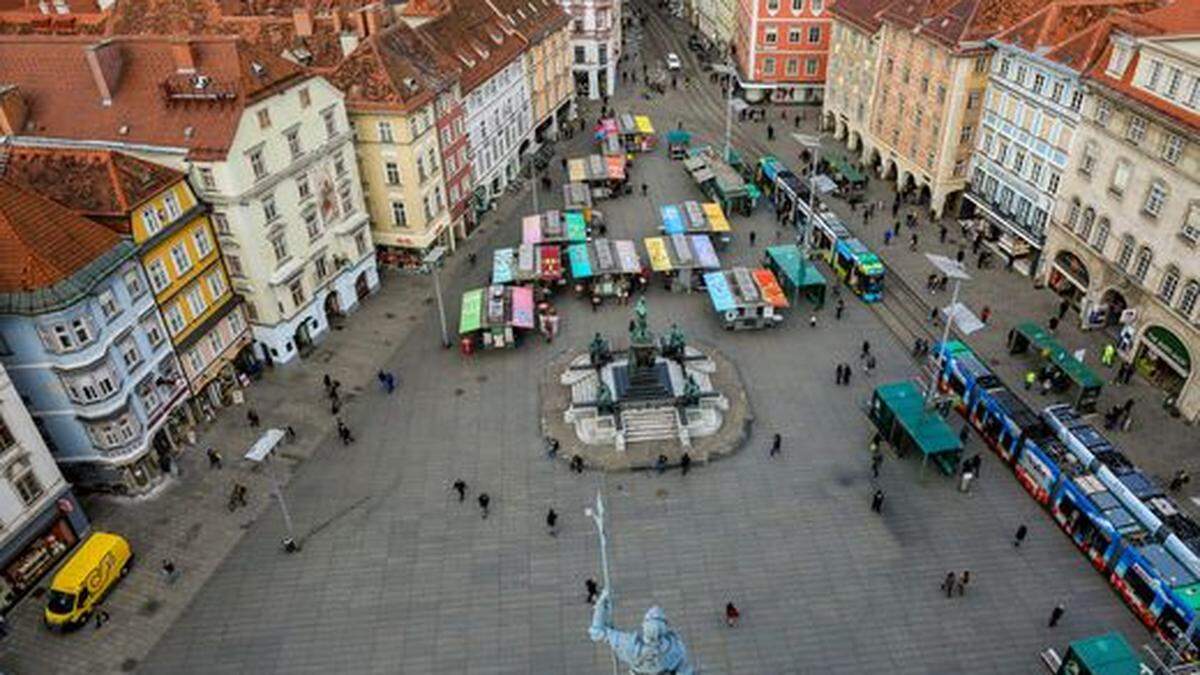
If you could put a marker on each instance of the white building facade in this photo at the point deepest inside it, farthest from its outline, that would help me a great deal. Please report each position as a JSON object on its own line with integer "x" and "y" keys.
{"x": 288, "y": 208}
{"x": 499, "y": 119}
{"x": 595, "y": 45}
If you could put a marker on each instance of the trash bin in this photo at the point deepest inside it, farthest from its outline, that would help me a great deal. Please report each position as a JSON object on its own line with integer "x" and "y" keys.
{"x": 964, "y": 483}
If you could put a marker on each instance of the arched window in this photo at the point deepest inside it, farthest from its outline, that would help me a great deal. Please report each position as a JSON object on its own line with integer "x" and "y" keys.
{"x": 1126, "y": 253}
{"x": 1187, "y": 301}
{"x": 1101, "y": 238}
{"x": 1169, "y": 283}
{"x": 1085, "y": 225}
{"x": 1073, "y": 213}
{"x": 1142, "y": 266}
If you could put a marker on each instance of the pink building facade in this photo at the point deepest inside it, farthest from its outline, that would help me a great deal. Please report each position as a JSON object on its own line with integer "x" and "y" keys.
{"x": 781, "y": 48}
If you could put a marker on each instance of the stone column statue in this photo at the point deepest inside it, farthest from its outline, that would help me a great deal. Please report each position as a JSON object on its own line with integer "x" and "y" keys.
{"x": 656, "y": 649}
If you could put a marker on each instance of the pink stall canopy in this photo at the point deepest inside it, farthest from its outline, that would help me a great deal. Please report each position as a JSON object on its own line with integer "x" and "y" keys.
{"x": 531, "y": 229}
{"x": 522, "y": 307}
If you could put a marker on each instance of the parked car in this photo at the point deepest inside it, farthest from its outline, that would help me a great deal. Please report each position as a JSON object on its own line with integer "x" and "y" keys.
{"x": 673, "y": 62}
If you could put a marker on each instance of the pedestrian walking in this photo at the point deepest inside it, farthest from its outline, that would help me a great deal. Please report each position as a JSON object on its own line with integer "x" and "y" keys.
{"x": 912, "y": 242}
{"x": 214, "y": 458}
{"x": 962, "y": 582}
{"x": 887, "y": 237}
{"x": 1030, "y": 379}
{"x": 985, "y": 313}
{"x": 382, "y": 377}
{"x": 776, "y": 445}
{"x": 643, "y": 189}
{"x": 170, "y": 572}
{"x": 1020, "y": 535}
{"x": 942, "y": 234}
{"x": 102, "y": 618}
{"x": 1062, "y": 309}
{"x": 328, "y": 382}
{"x": 866, "y": 350}
{"x": 948, "y": 583}
{"x": 685, "y": 463}
{"x": 770, "y": 133}
{"x": 839, "y": 308}
{"x": 344, "y": 432}
{"x": 877, "y": 501}
{"x": 964, "y": 434}
{"x": 1056, "y": 614}
{"x": 552, "y": 523}
{"x": 389, "y": 383}
{"x": 252, "y": 418}
{"x": 812, "y": 321}
{"x": 1108, "y": 355}
{"x": 876, "y": 462}
{"x": 460, "y": 486}
{"x": 753, "y": 237}
{"x": 593, "y": 591}
{"x": 958, "y": 257}
{"x": 731, "y": 615}
{"x": 846, "y": 371}
{"x": 289, "y": 433}
{"x": 484, "y": 501}
{"x": 869, "y": 364}
{"x": 837, "y": 375}
{"x": 577, "y": 464}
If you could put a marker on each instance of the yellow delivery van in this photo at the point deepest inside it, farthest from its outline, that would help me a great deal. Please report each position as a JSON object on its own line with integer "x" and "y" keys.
{"x": 86, "y": 578}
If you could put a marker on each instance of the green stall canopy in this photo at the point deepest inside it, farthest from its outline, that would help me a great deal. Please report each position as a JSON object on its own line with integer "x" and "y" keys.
{"x": 471, "y": 318}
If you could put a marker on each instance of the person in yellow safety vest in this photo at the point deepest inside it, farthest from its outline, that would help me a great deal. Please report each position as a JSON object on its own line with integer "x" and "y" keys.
{"x": 1030, "y": 379}
{"x": 1107, "y": 356}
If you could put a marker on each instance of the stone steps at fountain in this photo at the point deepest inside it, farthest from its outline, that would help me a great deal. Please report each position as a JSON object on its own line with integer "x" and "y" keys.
{"x": 650, "y": 424}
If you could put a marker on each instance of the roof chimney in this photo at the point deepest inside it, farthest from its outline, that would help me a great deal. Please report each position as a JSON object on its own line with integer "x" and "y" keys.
{"x": 13, "y": 110}
{"x": 373, "y": 19}
{"x": 184, "y": 55}
{"x": 303, "y": 20}
{"x": 104, "y": 61}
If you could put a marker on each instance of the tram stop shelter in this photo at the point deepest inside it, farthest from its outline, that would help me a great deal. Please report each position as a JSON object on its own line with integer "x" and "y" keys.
{"x": 527, "y": 263}
{"x": 695, "y": 218}
{"x": 682, "y": 259}
{"x": 796, "y": 274}
{"x": 554, "y": 227}
{"x": 898, "y": 410}
{"x": 1107, "y": 654}
{"x": 1088, "y": 385}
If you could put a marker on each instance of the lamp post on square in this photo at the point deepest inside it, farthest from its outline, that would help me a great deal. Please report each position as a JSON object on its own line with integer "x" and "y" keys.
{"x": 432, "y": 261}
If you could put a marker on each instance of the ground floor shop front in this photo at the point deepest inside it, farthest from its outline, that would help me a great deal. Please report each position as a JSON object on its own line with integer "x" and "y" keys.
{"x": 27, "y": 554}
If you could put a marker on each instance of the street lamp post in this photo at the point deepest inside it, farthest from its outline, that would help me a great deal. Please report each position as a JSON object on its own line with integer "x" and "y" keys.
{"x": 812, "y": 143}
{"x": 956, "y": 271}
{"x": 260, "y": 453}
{"x": 432, "y": 261}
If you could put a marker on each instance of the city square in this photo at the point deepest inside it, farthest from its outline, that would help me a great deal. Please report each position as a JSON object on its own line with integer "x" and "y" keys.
{"x": 833, "y": 546}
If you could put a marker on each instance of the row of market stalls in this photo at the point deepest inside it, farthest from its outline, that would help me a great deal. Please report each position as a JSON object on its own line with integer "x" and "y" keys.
{"x": 603, "y": 175}
{"x": 695, "y": 218}
{"x": 631, "y": 132}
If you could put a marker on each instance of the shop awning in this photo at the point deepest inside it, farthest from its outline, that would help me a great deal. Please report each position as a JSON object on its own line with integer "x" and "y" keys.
{"x": 627, "y": 256}
{"x": 672, "y": 220}
{"x": 615, "y": 167}
{"x": 1170, "y": 348}
{"x": 581, "y": 267}
{"x": 678, "y": 137}
{"x": 471, "y": 316}
{"x": 550, "y": 263}
{"x": 502, "y": 266}
{"x": 577, "y": 170}
{"x": 846, "y": 169}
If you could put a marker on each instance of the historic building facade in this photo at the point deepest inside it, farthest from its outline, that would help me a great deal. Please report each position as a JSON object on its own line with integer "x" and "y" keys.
{"x": 595, "y": 45}
{"x": 852, "y": 71}
{"x": 780, "y": 47}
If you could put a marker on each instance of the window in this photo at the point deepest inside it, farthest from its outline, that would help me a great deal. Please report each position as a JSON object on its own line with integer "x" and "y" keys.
{"x": 153, "y": 331}
{"x": 1035, "y": 172}
{"x": 207, "y": 180}
{"x": 580, "y": 54}
{"x": 296, "y": 288}
{"x": 811, "y": 65}
{"x": 772, "y": 5}
{"x": 1172, "y": 148}
{"x": 1155, "y": 75}
{"x": 1135, "y": 132}
{"x": 1004, "y": 65}
{"x": 235, "y": 265}
{"x": 195, "y": 360}
{"x": 221, "y": 222}
{"x": 1056, "y": 91}
{"x": 270, "y": 212}
{"x": 1085, "y": 223}
{"x": 321, "y": 267}
{"x": 1169, "y": 284}
{"x": 203, "y": 243}
{"x": 973, "y": 100}
{"x": 133, "y": 282}
{"x": 1120, "y": 177}
{"x": 1076, "y": 99}
{"x": 792, "y": 67}
{"x": 1103, "y": 113}
{"x": 279, "y": 247}
{"x": 108, "y": 304}
{"x": 1173, "y": 82}
{"x": 1073, "y": 213}
{"x": 1191, "y": 224}
{"x": 27, "y": 484}
{"x": 771, "y": 36}
{"x": 1087, "y": 164}
{"x": 257, "y": 164}
{"x": 215, "y": 342}
{"x": 360, "y": 241}
{"x": 171, "y": 203}
{"x": 797, "y": 5}
{"x": 1155, "y": 198}
{"x": 264, "y": 118}
{"x": 312, "y": 224}
{"x": 1142, "y": 265}
{"x": 391, "y": 172}
{"x": 981, "y": 65}
{"x": 1052, "y": 182}
{"x": 794, "y": 36}
{"x": 1126, "y": 252}
{"x": 817, "y": 6}
{"x": 181, "y": 259}
{"x": 196, "y": 301}
{"x": 303, "y": 187}
{"x": 385, "y": 132}
{"x": 1102, "y": 231}
{"x": 151, "y": 220}
{"x": 346, "y": 199}
{"x": 235, "y": 322}
{"x": 1039, "y": 82}
{"x": 305, "y": 98}
{"x": 329, "y": 118}
{"x": 339, "y": 164}
{"x": 216, "y": 285}
{"x": 769, "y": 65}
{"x": 1187, "y": 301}
{"x": 1018, "y": 162}
{"x": 293, "y": 142}
{"x": 175, "y": 320}
{"x": 149, "y": 395}
{"x": 814, "y": 34}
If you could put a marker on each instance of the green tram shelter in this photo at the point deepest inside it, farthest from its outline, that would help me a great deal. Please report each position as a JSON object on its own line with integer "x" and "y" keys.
{"x": 898, "y": 410}
{"x": 1107, "y": 654}
{"x": 678, "y": 142}
{"x": 1027, "y": 334}
{"x": 796, "y": 274}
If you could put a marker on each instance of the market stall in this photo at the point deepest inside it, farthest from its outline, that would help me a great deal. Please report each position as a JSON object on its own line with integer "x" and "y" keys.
{"x": 495, "y": 317}
{"x": 696, "y": 218}
{"x": 678, "y": 143}
{"x": 528, "y": 263}
{"x": 605, "y": 268}
{"x": 637, "y": 133}
{"x": 577, "y": 197}
{"x": 721, "y": 181}
{"x": 796, "y": 274}
{"x": 746, "y": 299}
{"x": 682, "y": 259}
{"x": 603, "y": 175}
{"x": 554, "y": 227}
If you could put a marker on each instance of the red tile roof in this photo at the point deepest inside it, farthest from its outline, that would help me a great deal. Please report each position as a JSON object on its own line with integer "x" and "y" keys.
{"x": 42, "y": 242}
{"x": 533, "y": 19}
{"x": 477, "y": 38}
{"x": 1070, "y": 31}
{"x": 95, "y": 183}
{"x": 863, "y": 14}
{"x": 394, "y": 70}
{"x": 1178, "y": 19}
{"x": 153, "y": 101}
{"x": 959, "y": 24}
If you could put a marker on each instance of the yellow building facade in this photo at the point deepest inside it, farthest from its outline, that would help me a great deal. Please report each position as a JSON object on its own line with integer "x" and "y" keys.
{"x": 205, "y": 320}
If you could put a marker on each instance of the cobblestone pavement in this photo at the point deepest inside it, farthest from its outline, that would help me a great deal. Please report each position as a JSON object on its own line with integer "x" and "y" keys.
{"x": 396, "y": 576}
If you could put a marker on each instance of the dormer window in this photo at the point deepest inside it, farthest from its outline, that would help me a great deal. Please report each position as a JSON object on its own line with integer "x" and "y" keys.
{"x": 1118, "y": 60}
{"x": 496, "y": 38}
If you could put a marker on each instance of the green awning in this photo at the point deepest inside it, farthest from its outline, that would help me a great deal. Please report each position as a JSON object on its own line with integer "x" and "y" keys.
{"x": 471, "y": 318}
{"x": 786, "y": 260}
{"x": 1170, "y": 346}
{"x": 678, "y": 137}
{"x": 927, "y": 429}
{"x": 846, "y": 169}
{"x": 1046, "y": 343}
{"x": 1107, "y": 654}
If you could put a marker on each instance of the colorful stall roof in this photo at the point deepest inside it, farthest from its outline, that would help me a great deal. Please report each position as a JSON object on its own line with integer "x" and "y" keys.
{"x": 581, "y": 267}
{"x": 672, "y": 220}
{"x": 553, "y": 227}
{"x": 693, "y": 218}
{"x": 576, "y": 226}
{"x": 471, "y": 317}
{"x": 607, "y": 126}
{"x": 576, "y": 196}
{"x": 522, "y": 307}
{"x": 502, "y": 266}
{"x": 550, "y": 267}
{"x": 741, "y": 287}
{"x": 627, "y": 256}
{"x": 604, "y": 256}
{"x": 716, "y": 217}
{"x": 643, "y": 124}
{"x": 681, "y": 252}
{"x": 615, "y": 167}
{"x": 769, "y": 287}
{"x": 719, "y": 292}
{"x": 496, "y": 306}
